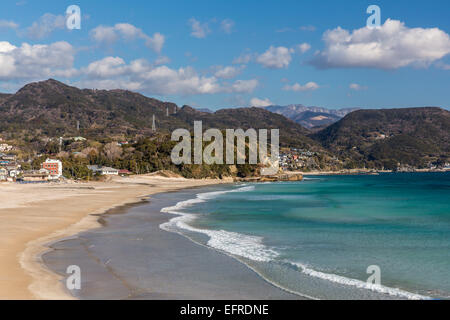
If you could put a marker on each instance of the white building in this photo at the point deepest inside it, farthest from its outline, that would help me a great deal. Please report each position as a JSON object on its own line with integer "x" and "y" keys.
{"x": 3, "y": 174}
{"x": 104, "y": 171}
{"x": 54, "y": 167}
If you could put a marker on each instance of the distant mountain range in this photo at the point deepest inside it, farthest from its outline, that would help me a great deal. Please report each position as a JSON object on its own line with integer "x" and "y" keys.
{"x": 204, "y": 110}
{"x": 310, "y": 117}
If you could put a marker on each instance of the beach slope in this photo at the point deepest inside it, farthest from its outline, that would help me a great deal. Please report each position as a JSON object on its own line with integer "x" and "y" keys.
{"x": 31, "y": 216}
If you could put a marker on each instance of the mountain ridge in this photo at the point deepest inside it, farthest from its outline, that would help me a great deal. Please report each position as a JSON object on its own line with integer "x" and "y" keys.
{"x": 310, "y": 117}
{"x": 377, "y": 138}
{"x": 54, "y": 108}
{"x": 383, "y": 136}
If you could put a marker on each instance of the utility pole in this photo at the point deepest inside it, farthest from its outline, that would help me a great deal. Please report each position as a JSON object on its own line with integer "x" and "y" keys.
{"x": 154, "y": 124}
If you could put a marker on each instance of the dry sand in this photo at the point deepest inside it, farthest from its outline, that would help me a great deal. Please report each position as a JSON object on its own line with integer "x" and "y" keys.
{"x": 32, "y": 216}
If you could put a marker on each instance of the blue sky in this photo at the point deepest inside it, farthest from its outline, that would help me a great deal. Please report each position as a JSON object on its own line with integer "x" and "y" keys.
{"x": 218, "y": 54}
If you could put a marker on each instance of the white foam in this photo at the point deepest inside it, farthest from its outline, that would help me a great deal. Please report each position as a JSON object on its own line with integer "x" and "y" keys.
{"x": 202, "y": 197}
{"x": 360, "y": 284}
{"x": 251, "y": 247}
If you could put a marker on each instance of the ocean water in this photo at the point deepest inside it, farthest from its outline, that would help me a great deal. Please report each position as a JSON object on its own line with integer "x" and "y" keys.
{"x": 318, "y": 237}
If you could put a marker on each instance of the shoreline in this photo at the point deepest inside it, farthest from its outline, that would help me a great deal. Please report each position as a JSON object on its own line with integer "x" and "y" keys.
{"x": 47, "y": 285}
{"x": 240, "y": 260}
{"x": 50, "y": 213}
{"x": 39, "y": 281}
{"x": 362, "y": 172}
{"x": 103, "y": 252}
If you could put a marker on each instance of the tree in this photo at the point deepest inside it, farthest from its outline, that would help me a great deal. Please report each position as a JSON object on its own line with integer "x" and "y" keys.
{"x": 112, "y": 151}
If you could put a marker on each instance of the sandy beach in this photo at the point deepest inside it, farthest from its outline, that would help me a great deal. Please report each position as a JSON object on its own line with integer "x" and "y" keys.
{"x": 132, "y": 257}
{"x": 32, "y": 216}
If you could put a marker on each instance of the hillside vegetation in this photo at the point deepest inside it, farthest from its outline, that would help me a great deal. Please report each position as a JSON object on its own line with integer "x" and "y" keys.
{"x": 411, "y": 136}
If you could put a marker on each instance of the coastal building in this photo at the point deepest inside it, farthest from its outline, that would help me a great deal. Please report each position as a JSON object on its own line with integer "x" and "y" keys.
{"x": 124, "y": 172}
{"x": 9, "y": 157}
{"x": 14, "y": 173}
{"x": 104, "y": 171}
{"x": 54, "y": 167}
{"x": 3, "y": 174}
{"x": 36, "y": 176}
{"x": 14, "y": 170}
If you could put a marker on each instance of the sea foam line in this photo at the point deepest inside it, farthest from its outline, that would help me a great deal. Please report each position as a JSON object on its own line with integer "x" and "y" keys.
{"x": 234, "y": 243}
{"x": 251, "y": 247}
{"x": 359, "y": 284}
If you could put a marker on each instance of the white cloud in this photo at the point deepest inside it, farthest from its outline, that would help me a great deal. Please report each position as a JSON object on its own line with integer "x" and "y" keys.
{"x": 156, "y": 42}
{"x": 46, "y": 25}
{"x": 243, "y": 58}
{"x": 41, "y": 61}
{"x": 160, "y": 80}
{"x": 6, "y": 47}
{"x": 104, "y": 34}
{"x": 106, "y": 67}
{"x": 228, "y": 72}
{"x": 310, "y": 86}
{"x": 199, "y": 30}
{"x": 36, "y": 61}
{"x": 114, "y": 72}
{"x": 109, "y": 84}
{"x": 5, "y": 24}
{"x": 162, "y": 60}
{"x": 275, "y": 57}
{"x": 442, "y": 65}
{"x": 164, "y": 80}
{"x": 244, "y": 86}
{"x": 357, "y": 87}
{"x": 128, "y": 32}
{"x": 256, "y": 102}
{"x": 307, "y": 28}
{"x": 227, "y": 26}
{"x": 391, "y": 46}
{"x": 303, "y": 47}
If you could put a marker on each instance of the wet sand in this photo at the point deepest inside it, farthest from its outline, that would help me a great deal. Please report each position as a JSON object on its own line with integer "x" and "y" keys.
{"x": 33, "y": 215}
{"x": 130, "y": 257}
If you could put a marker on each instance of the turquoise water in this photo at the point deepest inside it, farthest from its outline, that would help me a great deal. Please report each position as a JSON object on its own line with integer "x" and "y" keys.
{"x": 318, "y": 237}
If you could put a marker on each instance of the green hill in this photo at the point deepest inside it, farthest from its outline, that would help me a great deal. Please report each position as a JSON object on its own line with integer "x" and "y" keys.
{"x": 52, "y": 108}
{"x": 411, "y": 136}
